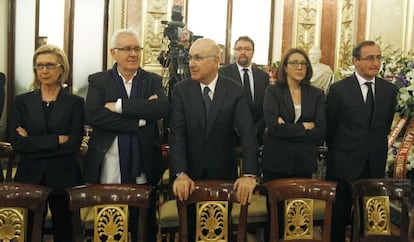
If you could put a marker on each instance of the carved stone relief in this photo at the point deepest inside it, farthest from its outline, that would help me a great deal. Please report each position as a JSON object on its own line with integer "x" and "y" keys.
{"x": 345, "y": 33}
{"x": 306, "y": 23}
{"x": 156, "y": 11}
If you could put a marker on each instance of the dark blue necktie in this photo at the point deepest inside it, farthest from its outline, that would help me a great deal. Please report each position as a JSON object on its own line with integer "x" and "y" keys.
{"x": 207, "y": 100}
{"x": 369, "y": 102}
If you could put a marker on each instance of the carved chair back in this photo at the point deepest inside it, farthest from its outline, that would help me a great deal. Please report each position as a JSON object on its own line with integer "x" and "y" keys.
{"x": 213, "y": 200}
{"x": 111, "y": 203}
{"x": 373, "y": 200}
{"x": 298, "y": 197}
{"x": 16, "y": 201}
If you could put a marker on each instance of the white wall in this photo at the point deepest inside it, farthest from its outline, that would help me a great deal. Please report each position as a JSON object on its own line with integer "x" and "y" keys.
{"x": 392, "y": 21}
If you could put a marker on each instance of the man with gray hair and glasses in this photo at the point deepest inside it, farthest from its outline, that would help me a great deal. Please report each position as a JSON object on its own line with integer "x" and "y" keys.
{"x": 123, "y": 106}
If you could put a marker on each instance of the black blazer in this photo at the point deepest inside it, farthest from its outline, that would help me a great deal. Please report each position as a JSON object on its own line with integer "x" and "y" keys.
{"x": 351, "y": 140}
{"x": 196, "y": 144}
{"x": 107, "y": 125}
{"x": 2, "y": 92}
{"x": 261, "y": 81}
{"x": 42, "y": 158}
{"x": 289, "y": 148}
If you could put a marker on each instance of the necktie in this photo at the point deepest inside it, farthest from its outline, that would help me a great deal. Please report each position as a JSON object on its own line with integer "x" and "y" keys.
{"x": 206, "y": 99}
{"x": 369, "y": 102}
{"x": 246, "y": 84}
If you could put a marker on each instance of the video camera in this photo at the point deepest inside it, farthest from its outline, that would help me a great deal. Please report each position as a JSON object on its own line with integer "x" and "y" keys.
{"x": 173, "y": 28}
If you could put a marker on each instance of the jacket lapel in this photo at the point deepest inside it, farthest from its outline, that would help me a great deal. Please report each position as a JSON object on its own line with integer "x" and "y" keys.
{"x": 36, "y": 110}
{"x": 287, "y": 98}
{"x": 259, "y": 87}
{"x": 197, "y": 98}
{"x": 59, "y": 109}
{"x": 219, "y": 96}
{"x": 357, "y": 95}
{"x": 236, "y": 72}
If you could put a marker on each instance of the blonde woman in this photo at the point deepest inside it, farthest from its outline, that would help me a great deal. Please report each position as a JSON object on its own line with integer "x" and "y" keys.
{"x": 46, "y": 130}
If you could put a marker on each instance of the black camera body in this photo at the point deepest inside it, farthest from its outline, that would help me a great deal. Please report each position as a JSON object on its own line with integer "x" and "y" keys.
{"x": 173, "y": 28}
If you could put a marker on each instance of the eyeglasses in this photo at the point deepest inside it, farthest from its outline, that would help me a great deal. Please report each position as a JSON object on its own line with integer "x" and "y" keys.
{"x": 130, "y": 49}
{"x": 198, "y": 58}
{"x": 296, "y": 64}
{"x": 372, "y": 58}
{"x": 48, "y": 66}
{"x": 247, "y": 49}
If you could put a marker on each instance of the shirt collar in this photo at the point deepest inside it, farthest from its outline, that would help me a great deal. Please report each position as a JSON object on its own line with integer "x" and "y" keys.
{"x": 362, "y": 80}
{"x": 241, "y": 68}
{"x": 123, "y": 79}
{"x": 211, "y": 85}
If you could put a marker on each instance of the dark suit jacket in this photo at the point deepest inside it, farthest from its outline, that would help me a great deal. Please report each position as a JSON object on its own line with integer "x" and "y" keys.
{"x": 289, "y": 148}
{"x": 42, "y": 158}
{"x": 196, "y": 145}
{"x": 261, "y": 81}
{"x": 107, "y": 125}
{"x": 351, "y": 140}
{"x": 2, "y": 92}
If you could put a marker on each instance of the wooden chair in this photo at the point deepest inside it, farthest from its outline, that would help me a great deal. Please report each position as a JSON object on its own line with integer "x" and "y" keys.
{"x": 7, "y": 156}
{"x": 16, "y": 200}
{"x": 372, "y": 217}
{"x": 298, "y": 196}
{"x": 110, "y": 202}
{"x": 213, "y": 200}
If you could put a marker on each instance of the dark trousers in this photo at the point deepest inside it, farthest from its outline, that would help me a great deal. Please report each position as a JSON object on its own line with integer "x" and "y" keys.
{"x": 342, "y": 208}
{"x": 62, "y": 225}
{"x": 150, "y": 221}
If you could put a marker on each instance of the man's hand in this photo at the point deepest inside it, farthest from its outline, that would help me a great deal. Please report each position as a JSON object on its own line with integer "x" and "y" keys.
{"x": 110, "y": 106}
{"x": 280, "y": 120}
{"x": 63, "y": 139}
{"x": 244, "y": 187}
{"x": 21, "y": 131}
{"x": 183, "y": 186}
{"x": 308, "y": 125}
{"x": 153, "y": 97}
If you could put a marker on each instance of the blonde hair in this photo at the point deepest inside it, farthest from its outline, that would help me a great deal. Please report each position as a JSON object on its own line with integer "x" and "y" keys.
{"x": 62, "y": 60}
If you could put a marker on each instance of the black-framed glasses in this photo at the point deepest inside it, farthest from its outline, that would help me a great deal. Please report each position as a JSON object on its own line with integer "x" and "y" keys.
{"x": 372, "y": 58}
{"x": 130, "y": 49}
{"x": 239, "y": 49}
{"x": 296, "y": 64}
{"x": 198, "y": 58}
{"x": 49, "y": 66}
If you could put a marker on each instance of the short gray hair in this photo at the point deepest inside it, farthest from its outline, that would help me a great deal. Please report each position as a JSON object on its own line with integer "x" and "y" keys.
{"x": 119, "y": 32}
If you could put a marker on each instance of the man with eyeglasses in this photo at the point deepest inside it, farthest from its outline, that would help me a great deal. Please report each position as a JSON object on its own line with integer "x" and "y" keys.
{"x": 251, "y": 78}
{"x": 123, "y": 106}
{"x": 205, "y": 108}
{"x": 359, "y": 110}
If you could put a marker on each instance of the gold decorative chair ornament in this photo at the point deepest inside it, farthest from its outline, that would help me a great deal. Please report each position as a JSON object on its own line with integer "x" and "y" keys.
{"x": 110, "y": 202}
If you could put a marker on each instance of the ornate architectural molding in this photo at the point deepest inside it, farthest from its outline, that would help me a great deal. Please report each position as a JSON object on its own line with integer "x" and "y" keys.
{"x": 345, "y": 33}
{"x": 306, "y": 13}
{"x": 155, "y": 11}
